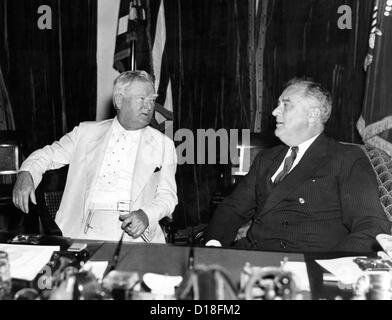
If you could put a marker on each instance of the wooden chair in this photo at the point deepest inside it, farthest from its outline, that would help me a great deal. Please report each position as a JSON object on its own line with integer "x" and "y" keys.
{"x": 382, "y": 166}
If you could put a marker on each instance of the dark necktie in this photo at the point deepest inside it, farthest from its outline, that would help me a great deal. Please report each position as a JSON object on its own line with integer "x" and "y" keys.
{"x": 288, "y": 163}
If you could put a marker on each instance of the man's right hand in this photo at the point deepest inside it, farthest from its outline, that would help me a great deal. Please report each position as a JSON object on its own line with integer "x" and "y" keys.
{"x": 23, "y": 190}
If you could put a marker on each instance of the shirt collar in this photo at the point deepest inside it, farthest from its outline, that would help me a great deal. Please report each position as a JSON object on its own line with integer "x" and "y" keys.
{"x": 302, "y": 147}
{"x": 119, "y": 131}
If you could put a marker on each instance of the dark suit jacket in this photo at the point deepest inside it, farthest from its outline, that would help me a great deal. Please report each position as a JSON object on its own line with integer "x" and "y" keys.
{"x": 328, "y": 202}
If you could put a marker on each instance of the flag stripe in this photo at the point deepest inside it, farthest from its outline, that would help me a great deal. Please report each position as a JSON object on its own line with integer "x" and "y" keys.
{"x": 160, "y": 63}
{"x": 159, "y": 44}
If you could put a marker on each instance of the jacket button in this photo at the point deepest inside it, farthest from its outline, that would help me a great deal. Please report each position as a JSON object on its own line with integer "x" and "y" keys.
{"x": 283, "y": 245}
{"x": 285, "y": 223}
{"x": 301, "y": 200}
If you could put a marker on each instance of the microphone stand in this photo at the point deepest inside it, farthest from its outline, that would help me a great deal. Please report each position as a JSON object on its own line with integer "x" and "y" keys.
{"x": 191, "y": 258}
{"x": 114, "y": 261}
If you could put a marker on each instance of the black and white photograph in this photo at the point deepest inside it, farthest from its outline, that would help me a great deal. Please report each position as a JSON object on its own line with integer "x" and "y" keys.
{"x": 195, "y": 155}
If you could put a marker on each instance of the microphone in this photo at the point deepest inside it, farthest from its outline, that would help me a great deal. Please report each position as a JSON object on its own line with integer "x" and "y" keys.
{"x": 114, "y": 261}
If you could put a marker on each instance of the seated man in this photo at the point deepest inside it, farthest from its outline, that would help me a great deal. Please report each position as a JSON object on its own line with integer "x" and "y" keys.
{"x": 121, "y": 171}
{"x": 311, "y": 194}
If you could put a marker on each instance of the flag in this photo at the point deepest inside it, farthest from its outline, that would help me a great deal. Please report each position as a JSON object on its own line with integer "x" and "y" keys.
{"x": 132, "y": 45}
{"x": 375, "y": 123}
{"x": 141, "y": 45}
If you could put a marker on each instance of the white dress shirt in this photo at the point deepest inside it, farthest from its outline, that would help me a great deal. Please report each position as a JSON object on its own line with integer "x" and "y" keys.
{"x": 301, "y": 151}
{"x": 114, "y": 181}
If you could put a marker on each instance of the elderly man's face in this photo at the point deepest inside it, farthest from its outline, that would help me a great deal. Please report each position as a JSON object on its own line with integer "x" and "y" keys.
{"x": 136, "y": 106}
{"x": 292, "y": 116}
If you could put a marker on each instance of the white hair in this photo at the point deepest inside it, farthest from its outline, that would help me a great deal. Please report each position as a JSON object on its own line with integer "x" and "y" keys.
{"x": 125, "y": 79}
{"x": 319, "y": 97}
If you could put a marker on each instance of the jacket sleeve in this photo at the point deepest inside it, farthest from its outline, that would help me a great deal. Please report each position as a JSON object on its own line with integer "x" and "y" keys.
{"x": 165, "y": 199}
{"x": 363, "y": 214}
{"x": 51, "y": 157}
{"x": 235, "y": 210}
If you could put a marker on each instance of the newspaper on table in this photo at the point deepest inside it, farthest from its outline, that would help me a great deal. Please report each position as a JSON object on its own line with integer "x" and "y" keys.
{"x": 27, "y": 260}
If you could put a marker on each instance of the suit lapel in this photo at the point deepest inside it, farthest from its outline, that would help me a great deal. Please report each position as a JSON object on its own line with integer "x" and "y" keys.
{"x": 95, "y": 152}
{"x": 275, "y": 162}
{"x": 313, "y": 158}
{"x": 147, "y": 159}
{"x": 270, "y": 162}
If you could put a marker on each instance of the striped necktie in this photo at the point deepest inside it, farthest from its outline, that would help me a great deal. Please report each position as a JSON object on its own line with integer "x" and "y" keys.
{"x": 288, "y": 163}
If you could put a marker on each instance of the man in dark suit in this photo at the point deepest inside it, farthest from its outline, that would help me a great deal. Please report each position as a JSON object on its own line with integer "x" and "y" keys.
{"x": 311, "y": 194}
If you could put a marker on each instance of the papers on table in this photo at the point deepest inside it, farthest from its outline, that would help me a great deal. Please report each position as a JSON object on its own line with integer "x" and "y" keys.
{"x": 344, "y": 269}
{"x": 385, "y": 240}
{"x": 300, "y": 272}
{"x": 27, "y": 260}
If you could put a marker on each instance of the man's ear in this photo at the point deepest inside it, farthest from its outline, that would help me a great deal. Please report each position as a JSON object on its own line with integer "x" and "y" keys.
{"x": 314, "y": 115}
{"x": 118, "y": 101}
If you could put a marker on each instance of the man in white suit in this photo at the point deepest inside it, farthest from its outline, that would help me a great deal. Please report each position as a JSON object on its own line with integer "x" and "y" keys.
{"x": 121, "y": 172}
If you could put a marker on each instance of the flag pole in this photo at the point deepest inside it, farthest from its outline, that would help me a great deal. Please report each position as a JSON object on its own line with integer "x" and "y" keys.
{"x": 133, "y": 17}
{"x": 132, "y": 56}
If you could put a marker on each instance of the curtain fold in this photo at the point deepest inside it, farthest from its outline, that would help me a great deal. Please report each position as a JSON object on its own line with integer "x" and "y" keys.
{"x": 303, "y": 39}
{"x": 50, "y": 74}
{"x": 6, "y": 115}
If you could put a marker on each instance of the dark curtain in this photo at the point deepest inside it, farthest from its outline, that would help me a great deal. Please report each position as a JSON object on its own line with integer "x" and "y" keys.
{"x": 303, "y": 39}
{"x": 208, "y": 41}
{"x": 50, "y": 74}
{"x": 207, "y": 53}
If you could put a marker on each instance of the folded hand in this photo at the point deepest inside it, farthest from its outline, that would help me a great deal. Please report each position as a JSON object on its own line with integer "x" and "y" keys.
{"x": 134, "y": 223}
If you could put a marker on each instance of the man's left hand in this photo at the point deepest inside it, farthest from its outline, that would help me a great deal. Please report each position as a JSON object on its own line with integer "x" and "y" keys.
{"x": 134, "y": 223}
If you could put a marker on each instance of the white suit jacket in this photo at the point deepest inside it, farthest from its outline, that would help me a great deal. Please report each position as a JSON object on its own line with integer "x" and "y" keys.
{"x": 153, "y": 190}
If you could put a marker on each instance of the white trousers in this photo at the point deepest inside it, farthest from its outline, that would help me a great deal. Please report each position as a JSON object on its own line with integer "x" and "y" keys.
{"x": 105, "y": 225}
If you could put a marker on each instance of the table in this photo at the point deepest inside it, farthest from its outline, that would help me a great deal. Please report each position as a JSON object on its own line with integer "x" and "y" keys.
{"x": 173, "y": 260}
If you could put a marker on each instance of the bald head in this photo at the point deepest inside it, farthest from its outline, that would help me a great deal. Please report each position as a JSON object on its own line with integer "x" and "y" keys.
{"x": 315, "y": 94}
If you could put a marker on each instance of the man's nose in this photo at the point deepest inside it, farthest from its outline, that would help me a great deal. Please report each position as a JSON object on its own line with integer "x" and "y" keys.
{"x": 148, "y": 105}
{"x": 276, "y": 111}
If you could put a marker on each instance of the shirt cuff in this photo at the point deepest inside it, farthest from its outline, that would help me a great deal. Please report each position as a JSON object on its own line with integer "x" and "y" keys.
{"x": 36, "y": 177}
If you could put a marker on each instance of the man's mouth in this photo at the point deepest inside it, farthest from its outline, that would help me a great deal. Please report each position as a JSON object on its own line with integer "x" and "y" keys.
{"x": 278, "y": 123}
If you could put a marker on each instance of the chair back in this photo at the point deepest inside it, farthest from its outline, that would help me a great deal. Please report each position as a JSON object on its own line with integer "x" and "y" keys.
{"x": 382, "y": 166}
{"x": 10, "y": 152}
{"x": 49, "y": 194}
{"x": 52, "y": 200}
{"x": 11, "y": 158}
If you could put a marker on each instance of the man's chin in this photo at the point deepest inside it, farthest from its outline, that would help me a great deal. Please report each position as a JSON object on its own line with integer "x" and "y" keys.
{"x": 280, "y": 135}
{"x": 278, "y": 132}
{"x": 145, "y": 120}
